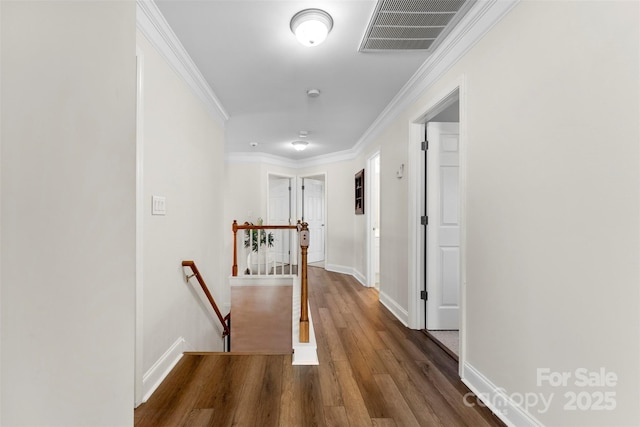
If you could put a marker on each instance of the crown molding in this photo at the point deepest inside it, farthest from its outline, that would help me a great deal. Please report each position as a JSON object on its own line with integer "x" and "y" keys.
{"x": 259, "y": 157}
{"x": 151, "y": 22}
{"x": 483, "y": 16}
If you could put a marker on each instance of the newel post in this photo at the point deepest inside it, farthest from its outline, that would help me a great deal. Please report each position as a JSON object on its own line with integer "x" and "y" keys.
{"x": 304, "y": 314}
{"x": 234, "y": 270}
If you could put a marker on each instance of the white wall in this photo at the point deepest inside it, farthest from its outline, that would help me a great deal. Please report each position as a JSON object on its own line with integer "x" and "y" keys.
{"x": 183, "y": 161}
{"x": 393, "y": 221}
{"x": 68, "y": 213}
{"x": 552, "y": 202}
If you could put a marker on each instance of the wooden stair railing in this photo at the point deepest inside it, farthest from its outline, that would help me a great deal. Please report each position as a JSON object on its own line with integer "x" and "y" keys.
{"x": 246, "y": 226}
{"x": 303, "y": 232}
{"x": 223, "y": 320}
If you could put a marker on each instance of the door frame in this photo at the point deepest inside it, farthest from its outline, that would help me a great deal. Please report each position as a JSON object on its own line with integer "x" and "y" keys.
{"x": 323, "y": 177}
{"x": 416, "y": 306}
{"x": 293, "y": 194}
{"x": 139, "y": 329}
{"x": 369, "y": 187}
{"x": 292, "y": 206}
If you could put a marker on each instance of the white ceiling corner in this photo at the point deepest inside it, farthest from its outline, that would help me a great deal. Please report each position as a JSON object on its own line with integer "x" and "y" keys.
{"x": 151, "y": 22}
{"x": 475, "y": 24}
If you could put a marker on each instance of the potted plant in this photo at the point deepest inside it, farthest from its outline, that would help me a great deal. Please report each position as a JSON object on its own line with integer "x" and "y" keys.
{"x": 259, "y": 256}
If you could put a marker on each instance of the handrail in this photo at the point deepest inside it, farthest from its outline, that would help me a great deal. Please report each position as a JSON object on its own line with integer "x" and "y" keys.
{"x": 246, "y": 226}
{"x": 196, "y": 273}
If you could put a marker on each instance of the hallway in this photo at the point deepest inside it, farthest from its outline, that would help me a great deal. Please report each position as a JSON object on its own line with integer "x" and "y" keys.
{"x": 373, "y": 371}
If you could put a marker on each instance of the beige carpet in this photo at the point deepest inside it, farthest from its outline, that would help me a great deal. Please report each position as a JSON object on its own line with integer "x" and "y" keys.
{"x": 449, "y": 339}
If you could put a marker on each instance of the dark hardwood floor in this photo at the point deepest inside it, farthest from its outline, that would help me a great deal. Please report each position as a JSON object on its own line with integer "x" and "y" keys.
{"x": 373, "y": 372}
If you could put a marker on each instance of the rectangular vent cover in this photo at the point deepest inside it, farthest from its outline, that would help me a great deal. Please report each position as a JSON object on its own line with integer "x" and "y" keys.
{"x": 412, "y": 24}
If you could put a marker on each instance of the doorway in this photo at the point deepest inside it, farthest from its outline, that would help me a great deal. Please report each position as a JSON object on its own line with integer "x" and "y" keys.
{"x": 281, "y": 212}
{"x": 313, "y": 212}
{"x": 437, "y": 234}
{"x": 442, "y": 231}
{"x": 373, "y": 220}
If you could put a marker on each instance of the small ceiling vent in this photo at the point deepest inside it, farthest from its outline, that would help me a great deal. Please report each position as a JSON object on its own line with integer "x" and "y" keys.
{"x": 412, "y": 24}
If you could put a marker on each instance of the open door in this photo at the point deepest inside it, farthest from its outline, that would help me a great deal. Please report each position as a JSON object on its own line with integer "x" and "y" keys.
{"x": 281, "y": 213}
{"x": 443, "y": 228}
{"x": 313, "y": 214}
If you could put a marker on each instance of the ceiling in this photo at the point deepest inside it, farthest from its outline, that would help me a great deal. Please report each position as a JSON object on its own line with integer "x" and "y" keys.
{"x": 260, "y": 73}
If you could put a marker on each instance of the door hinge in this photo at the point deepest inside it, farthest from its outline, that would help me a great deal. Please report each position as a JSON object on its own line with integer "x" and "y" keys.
{"x": 424, "y": 220}
{"x": 424, "y": 295}
{"x": 425, "y": 145}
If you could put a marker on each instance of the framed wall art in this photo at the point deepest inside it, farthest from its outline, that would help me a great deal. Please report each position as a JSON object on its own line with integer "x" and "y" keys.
{"x": 359, "y": 195}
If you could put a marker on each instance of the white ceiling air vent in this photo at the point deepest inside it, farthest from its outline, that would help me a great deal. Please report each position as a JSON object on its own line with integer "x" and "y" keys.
{"x": 412, "y": 24}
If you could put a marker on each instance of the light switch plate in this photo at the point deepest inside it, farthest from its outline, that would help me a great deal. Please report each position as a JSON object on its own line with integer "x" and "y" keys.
{"x": 158, "y": 205}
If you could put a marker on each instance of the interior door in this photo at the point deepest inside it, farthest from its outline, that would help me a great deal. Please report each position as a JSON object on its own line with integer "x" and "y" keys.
{"x": 443, "y": 229}
{"x": 280, "y": 214}
{"x": 313, "y": 200}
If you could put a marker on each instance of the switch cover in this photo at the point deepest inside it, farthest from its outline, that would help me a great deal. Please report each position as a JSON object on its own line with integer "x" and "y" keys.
{"x": 158, "y": 205}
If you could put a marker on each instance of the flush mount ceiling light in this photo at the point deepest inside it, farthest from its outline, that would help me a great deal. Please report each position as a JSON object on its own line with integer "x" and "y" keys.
{"x": 311, "y": 26}
{"x": 299, "y": 145}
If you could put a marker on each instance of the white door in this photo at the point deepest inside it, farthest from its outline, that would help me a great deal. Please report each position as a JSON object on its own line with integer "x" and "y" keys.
{"x": 313, "y": 200}
{"x": 280, "y": 214}
{"x": 443, "y": 229}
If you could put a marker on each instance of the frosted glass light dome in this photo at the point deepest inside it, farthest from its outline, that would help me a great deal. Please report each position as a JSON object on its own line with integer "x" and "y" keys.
{"x": 299, "y": 145}
{"x": 311, "y": 26}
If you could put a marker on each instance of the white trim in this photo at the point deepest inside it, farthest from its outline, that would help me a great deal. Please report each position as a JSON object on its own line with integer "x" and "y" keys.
{"x": 395, "y": 308}
{"x": 347, "y": 270}
{"x": 304, "y": 353}
{"x": 159, "y": 371}
{"x": 325, "y": 202}
{"x": 415, "y": 188}
{"x": 151, "y": 22}
{"x": 262, "y": 280}
{"x": 139, "y": 340}
{"x": 370, "y": 178}
{"x": 463, "y": 189}
{"x": 472, "y": 27}
{"x": 359, "y": 277}
{"x": 415, "y": 304}
{"x": 496, "y": 399}
{"x": 416, "y": 134}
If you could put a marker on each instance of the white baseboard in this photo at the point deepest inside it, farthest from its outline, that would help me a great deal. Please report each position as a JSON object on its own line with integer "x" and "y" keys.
{"x": 303, "y": 353}
{"x": 347, "y": 270}
{"x": 401, "y": 314}
{"x": 338, "y": 268}
{"x": 360, "y": 278}
{"x": 159, "y": 371}
{"x": 496, "y": 399}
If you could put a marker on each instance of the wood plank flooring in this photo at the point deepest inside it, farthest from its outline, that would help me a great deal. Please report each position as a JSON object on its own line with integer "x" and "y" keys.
{"x": 373, "y": 372}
